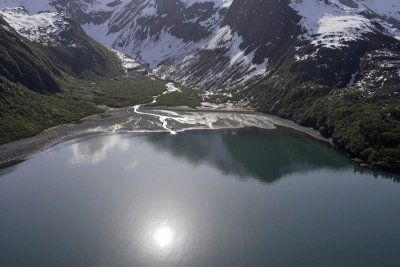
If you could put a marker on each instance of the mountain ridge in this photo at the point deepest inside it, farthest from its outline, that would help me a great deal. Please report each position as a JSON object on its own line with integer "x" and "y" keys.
{"x": 179, "y": 36}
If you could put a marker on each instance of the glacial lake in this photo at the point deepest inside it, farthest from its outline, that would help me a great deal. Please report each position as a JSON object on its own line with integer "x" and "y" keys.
{"x": 204, "y": 198}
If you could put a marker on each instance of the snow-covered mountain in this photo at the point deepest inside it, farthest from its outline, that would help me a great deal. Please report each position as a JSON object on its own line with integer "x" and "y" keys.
{"x": 334, "y": 23}
{"x": 218, "y": 43}
{"x": 44, "y": 28}
{"x": 38, "y": 49}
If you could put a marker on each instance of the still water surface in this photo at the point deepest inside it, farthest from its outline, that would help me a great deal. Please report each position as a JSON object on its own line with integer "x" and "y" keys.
{"x": 223, "y": 198}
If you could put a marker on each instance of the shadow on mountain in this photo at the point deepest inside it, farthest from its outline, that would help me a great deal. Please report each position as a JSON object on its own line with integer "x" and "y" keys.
{"x": 252, "y": 153}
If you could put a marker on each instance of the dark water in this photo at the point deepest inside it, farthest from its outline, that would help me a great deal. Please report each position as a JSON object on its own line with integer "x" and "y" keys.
{"x": 228, "y": 198}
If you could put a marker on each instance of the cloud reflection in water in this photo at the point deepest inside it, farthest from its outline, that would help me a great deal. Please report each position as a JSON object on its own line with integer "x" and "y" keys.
{"x": 92, "y": 151}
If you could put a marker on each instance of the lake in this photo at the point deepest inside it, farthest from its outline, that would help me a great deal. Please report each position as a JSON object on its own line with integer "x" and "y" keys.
{"x": 202, "y": 198}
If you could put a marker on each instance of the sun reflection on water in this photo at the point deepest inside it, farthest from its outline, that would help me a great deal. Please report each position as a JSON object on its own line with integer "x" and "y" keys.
{"x": 163, "y": 236}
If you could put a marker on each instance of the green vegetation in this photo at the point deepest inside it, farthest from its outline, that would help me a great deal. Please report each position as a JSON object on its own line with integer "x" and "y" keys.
{"x": 363, "y": 119}
{"x": 123, "y": 91}
{"x": 188, "y": 97}
{"x": 24, "y": 112}
{"x": 366, "y": 129}
{"x": 25, "y": 63}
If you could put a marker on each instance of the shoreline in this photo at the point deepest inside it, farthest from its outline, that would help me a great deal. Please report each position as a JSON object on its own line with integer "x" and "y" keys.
{"x": 148, "y": 119}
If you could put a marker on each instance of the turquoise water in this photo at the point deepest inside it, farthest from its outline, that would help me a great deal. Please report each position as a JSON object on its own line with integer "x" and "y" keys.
{"x": 222, "y": 198}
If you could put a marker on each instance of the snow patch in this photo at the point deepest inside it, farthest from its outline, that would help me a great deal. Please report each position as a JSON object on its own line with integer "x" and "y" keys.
{"x": 128, "y": 63}
{"x": 332, "y": 24}
{"x": 171, "y": 88}
{"x": 43, "y": 28}
{"x": 387, "y": 8}
{"x": 217, "y": 3}
{"x": 32, "y": 6}
{"x": 353, "y": 78}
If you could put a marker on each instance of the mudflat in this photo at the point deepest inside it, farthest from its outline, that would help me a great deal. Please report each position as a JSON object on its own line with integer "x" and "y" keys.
{"x": 145, "y": 119}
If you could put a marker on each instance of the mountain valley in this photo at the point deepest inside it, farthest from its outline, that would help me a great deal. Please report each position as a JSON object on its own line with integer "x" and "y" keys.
{"x": 331, "y": 65}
